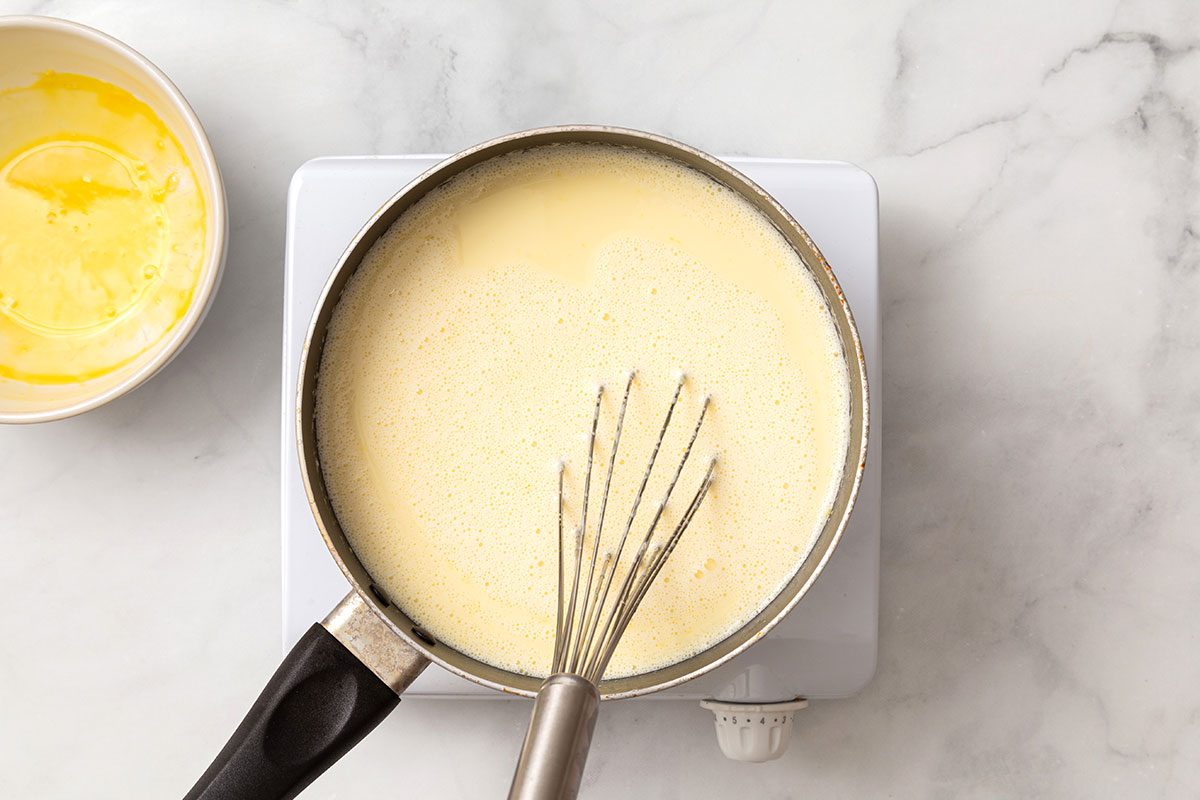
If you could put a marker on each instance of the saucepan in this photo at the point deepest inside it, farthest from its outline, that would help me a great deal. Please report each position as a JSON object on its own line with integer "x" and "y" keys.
{"x": 348, "y": 671}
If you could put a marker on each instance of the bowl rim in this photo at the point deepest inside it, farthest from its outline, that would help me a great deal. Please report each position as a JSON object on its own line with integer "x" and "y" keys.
{"x": 212, "y": 267}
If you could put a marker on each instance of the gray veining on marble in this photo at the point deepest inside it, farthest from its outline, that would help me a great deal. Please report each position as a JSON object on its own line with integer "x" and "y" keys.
{"x": 1038, "y": 174}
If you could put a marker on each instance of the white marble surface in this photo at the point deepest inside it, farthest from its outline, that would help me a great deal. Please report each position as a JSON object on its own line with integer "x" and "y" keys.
{"x": 1037, "y": 165}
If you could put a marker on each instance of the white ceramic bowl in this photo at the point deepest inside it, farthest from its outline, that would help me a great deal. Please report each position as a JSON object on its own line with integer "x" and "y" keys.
{"x": 30, "y": 46}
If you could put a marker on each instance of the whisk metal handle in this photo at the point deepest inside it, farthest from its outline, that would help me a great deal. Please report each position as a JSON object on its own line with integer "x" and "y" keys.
{"x": 556, "y": 746}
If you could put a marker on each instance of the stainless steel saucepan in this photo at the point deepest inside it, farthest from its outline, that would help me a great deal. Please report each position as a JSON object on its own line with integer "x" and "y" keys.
{"x": 348, "y": 672}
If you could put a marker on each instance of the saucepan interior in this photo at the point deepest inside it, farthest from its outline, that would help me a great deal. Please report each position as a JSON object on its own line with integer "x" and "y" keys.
{"x": 852, "y": 468}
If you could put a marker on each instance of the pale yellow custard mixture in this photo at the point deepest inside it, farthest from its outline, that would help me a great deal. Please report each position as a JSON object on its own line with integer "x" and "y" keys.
{"x": 462, "y": 363}
{"x": 102, "y": 229}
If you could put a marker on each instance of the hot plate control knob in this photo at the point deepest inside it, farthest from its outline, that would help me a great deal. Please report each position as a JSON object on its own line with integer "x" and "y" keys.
{"x": 754, "y": 732}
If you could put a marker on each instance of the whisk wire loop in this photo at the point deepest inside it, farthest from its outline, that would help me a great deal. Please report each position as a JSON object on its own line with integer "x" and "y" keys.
{"x": 583, "y": 644}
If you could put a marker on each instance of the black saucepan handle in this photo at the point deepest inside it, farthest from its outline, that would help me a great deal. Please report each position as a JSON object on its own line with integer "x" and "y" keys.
{"x": 321, "y": 702}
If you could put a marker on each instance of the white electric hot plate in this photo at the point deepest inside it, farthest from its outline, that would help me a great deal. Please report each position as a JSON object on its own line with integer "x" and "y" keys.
{"x": 826, "y": 648}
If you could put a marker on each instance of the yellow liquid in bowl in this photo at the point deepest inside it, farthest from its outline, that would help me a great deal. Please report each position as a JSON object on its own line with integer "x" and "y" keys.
{"x": 102, "y": 229}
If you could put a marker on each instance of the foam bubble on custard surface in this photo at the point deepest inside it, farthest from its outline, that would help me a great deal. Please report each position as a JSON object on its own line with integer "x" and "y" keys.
{"x": 461, "y": 364}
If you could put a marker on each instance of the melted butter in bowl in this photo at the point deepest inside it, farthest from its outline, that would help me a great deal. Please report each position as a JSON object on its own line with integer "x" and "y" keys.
{"x": 102, "y": 229}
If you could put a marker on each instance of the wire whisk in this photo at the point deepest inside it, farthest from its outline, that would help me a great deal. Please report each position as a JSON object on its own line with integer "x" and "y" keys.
{"x": 591, "y": 615}
{"x": 583, "y": 644}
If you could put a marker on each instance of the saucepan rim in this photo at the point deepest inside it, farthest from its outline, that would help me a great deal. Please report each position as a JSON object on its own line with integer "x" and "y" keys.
{"x": 406, "y": 628}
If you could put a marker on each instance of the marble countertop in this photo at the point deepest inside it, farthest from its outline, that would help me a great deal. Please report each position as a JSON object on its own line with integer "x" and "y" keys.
{"x": 1039, "y": 182}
